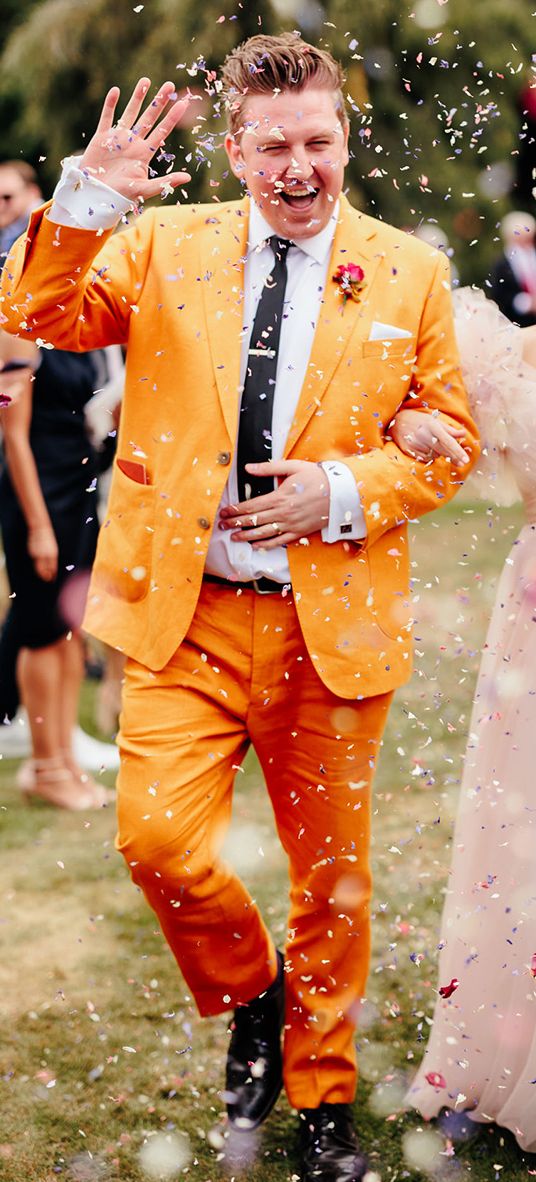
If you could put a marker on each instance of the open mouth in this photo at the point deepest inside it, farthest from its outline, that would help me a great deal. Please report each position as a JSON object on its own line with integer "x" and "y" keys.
{"x": 299, "y": 198}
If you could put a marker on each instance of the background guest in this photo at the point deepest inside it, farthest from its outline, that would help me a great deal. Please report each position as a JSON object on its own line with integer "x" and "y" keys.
{"x": 49, "y": 527}
{"x": 513, "y": 278}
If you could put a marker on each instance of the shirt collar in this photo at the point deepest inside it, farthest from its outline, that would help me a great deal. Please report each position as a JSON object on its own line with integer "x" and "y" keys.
{"x": 317, "y": 246}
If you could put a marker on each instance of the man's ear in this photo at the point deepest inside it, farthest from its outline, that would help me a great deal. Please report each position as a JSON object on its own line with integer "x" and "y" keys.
{"x": 346, "y": 133}
{"x": 234, "y": 155}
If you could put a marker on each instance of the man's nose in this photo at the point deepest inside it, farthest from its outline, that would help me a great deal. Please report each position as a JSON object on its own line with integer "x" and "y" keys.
{"x": 300, "y": 166}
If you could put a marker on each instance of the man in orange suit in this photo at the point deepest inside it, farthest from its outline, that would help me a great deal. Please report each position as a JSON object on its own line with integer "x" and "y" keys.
{"x": 253, "y": 565}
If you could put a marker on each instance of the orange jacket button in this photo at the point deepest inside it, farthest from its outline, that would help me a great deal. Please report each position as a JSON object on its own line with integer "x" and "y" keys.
{"x": 203, "y": 522}
{"x": 224, "y": 457}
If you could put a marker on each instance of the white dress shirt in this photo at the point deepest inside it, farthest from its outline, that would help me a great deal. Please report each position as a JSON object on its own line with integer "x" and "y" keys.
{"x": 87, "y": 203}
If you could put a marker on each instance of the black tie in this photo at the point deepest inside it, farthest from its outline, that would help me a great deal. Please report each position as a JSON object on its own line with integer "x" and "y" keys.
{"x": 255, "y": 426}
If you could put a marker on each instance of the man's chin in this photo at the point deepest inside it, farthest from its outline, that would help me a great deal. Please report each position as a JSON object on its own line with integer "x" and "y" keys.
{"x": 294, "y": 221}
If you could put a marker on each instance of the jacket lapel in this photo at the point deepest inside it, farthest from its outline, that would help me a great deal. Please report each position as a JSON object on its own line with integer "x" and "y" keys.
{"x": 222, "y": 259}
{"x": 354, "y": 242}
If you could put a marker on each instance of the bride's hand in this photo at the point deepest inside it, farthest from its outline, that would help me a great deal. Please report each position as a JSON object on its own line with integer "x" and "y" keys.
{"x": 425, "y": 436}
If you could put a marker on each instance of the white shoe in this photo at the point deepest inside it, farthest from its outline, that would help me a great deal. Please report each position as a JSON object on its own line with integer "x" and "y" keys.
{"x": 15, "y": 738}
{"x": 91, "y": 754}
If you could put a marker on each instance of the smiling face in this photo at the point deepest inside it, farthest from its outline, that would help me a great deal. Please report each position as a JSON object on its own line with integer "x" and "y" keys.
{"x": 292, "y": 154}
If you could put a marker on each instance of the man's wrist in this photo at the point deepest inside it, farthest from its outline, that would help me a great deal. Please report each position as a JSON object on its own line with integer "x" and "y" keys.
{"x": 346, "y": 518}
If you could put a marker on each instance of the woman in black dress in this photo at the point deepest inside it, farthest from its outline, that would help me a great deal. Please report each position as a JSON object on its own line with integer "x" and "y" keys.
{"x": 49, "y": 528}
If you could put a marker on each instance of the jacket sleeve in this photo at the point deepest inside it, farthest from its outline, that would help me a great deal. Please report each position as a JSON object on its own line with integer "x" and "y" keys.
{"x": 394, "y": 487}
{"x": 75, "y": 289}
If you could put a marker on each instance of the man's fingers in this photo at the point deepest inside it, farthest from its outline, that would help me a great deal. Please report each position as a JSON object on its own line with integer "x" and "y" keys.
{"x": 273, "y": 543}
{"x": 135, "y": 102}
{"x": 154, "y": 110}
{"x": 250, "y": 508}
{"x": 159, "y": 186}
{"x": 275, "y": 467}
{"x": 171, "y": 118}
{"x": 108, "y": 111}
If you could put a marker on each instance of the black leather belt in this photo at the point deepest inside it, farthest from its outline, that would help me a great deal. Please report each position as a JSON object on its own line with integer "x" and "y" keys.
{"x": 262, "y": 586}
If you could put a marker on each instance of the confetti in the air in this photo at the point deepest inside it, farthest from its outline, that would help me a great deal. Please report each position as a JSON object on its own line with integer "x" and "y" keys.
{"x": 448, "y": 990}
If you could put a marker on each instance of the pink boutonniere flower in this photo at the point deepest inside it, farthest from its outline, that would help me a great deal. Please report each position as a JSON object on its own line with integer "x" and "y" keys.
{"x": 350, "y": 279}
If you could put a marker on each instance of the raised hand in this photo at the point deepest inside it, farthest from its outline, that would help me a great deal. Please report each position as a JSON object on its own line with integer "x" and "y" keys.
{"x": 120, "y": 153}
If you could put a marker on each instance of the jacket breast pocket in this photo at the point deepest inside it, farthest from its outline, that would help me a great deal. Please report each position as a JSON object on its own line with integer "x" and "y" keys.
{"x": 384, "y": 350}
{"x": 126, "y": 538}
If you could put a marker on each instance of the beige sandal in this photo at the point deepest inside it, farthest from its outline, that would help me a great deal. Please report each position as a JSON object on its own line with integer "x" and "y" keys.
{"x": 101, "y": 794}
{"x": 50, "y": 781}
{"x": 25, "y": 778}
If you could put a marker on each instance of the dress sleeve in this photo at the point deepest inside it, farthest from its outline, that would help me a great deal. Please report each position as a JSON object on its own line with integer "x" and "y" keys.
{"x": 501, "y": 388}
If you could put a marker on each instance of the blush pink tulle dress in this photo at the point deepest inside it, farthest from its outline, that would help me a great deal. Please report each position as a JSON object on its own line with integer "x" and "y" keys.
{"x": 481, "y": 1057}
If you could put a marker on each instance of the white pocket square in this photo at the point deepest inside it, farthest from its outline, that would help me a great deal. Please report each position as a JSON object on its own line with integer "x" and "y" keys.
{"x": 386, "y": 332}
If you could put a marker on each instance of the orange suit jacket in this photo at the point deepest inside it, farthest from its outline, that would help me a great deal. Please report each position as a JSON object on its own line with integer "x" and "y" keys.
{"x": 171, "y": 288}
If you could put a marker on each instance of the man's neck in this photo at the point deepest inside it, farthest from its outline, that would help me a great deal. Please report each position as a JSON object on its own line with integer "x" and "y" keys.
{"x": 260, "y": 230}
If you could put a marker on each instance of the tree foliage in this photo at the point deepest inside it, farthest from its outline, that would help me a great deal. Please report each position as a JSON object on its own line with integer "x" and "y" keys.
{"x": 433, "y": 88}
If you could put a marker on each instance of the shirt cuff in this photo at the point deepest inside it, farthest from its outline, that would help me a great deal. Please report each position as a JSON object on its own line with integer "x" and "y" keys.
{"x": 85, "y": 203}
{"x": 346, "y": 518}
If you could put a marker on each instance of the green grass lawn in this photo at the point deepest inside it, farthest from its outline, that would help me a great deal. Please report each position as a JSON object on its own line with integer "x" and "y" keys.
{"x": 102, "y": 1056}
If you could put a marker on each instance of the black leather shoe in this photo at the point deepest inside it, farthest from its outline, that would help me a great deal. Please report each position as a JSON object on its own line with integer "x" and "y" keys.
{"x": 254, "y": 1075}
{"x": 329, "y": 1147}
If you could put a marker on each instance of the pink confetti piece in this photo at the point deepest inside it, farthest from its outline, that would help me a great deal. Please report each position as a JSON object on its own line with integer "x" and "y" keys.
{"x": 436, "y": 1079}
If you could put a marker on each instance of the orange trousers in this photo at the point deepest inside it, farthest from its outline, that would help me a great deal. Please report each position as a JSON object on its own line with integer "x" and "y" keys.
{"x": 242, "y": 675}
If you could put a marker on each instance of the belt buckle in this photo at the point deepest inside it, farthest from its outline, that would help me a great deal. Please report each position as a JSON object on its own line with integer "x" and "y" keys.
{"x": 258, "y": 590}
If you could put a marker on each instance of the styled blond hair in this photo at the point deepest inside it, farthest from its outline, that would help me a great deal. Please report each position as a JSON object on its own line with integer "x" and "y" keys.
{"x": 262, "y": 65}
